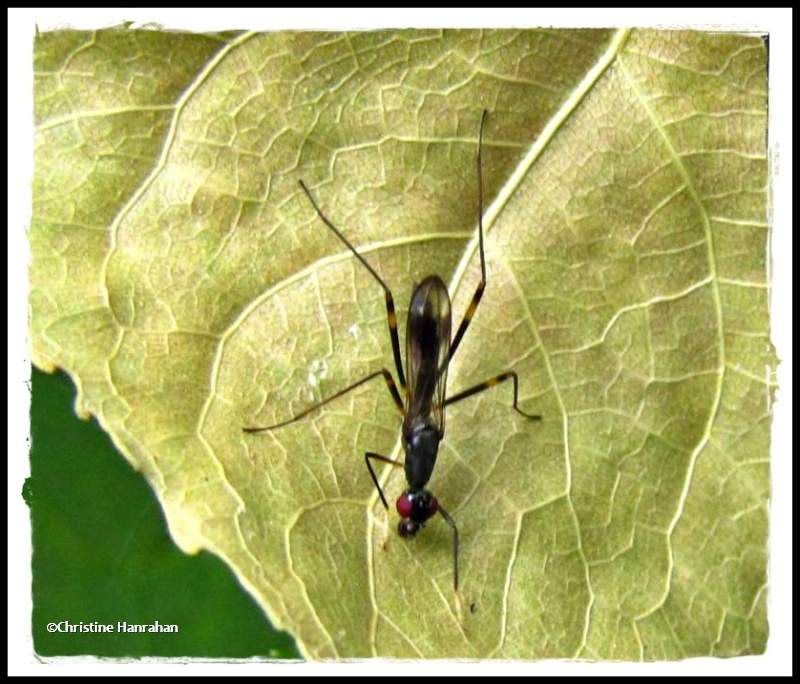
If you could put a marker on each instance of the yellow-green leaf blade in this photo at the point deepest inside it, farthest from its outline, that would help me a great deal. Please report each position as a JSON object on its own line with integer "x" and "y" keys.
{"x": 626, "y": 237}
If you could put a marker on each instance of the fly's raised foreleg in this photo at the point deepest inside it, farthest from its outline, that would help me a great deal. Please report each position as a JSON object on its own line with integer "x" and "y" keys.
{"x": 383, "y": 459}
{"x": 452, "y": 524}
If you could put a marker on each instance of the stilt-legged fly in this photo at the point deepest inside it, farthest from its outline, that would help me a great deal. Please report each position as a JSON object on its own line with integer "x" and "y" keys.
{"x": 429, "y": 350}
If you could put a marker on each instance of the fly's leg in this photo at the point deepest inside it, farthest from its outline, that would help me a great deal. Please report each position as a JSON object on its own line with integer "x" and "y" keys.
{"x": 452, "y": 524}
{"x": 476, "y": 298}
{"x": 378, "y": 457}
{"x": 389, "y": 383}
{"x": 390, "y": 313}
{"x": 491, "y": 382}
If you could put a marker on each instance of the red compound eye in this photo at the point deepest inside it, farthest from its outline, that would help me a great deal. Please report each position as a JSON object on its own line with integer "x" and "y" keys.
{"x": 404, "y": 506}
{"x": 433, "y": 506}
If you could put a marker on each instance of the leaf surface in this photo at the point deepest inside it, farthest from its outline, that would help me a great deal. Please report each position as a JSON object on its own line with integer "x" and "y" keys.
{"x": 184, "y": 281}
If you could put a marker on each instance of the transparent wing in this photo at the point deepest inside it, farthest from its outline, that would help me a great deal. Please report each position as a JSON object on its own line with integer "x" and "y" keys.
{"x": 427, "y": 348}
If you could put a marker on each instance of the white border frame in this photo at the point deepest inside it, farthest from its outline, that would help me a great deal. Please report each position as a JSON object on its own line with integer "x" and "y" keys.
{"x": 21, "y": 27}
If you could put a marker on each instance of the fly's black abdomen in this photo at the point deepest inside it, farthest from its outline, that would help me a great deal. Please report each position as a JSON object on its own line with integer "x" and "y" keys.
{"x": 427, "y": 347}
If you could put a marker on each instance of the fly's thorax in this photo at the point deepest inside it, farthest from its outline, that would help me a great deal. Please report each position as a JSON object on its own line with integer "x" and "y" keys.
{"x": 421, "y": 445}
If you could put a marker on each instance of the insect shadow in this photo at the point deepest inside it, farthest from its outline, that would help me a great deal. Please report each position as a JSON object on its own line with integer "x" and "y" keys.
{"x": 429, "y": 350}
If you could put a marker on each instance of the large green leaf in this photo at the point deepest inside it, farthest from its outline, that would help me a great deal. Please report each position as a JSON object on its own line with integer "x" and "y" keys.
{"x": 183, "y": 280}
{"x": 101, "y": 553}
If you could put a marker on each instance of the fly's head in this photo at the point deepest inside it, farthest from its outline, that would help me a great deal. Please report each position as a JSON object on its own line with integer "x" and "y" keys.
{"x": 415, "y": 507}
